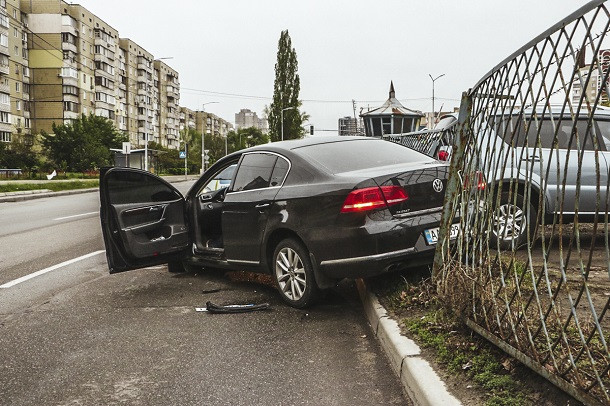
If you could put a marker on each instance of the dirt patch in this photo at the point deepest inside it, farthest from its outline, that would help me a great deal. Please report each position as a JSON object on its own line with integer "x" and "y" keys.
{"x": 475, "y": 371}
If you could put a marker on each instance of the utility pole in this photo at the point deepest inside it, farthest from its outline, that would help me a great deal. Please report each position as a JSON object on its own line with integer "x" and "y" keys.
{"x": 433, "y": 111}
{"x": 355, "y": 120}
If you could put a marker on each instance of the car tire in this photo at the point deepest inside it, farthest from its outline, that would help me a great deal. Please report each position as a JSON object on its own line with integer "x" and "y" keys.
{"x": 510, "y": 222}
{"x": 293, "y": 274}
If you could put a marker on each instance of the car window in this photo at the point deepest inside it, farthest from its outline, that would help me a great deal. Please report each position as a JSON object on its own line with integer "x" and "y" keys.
{"x": 254, "y": 171}
{"x": 279, "y": 172}
{"x": 513, "y": 131}
{"x": 133, "y": 187}
{"x": 346, "y": 156}
{"x": 220, "y": 180}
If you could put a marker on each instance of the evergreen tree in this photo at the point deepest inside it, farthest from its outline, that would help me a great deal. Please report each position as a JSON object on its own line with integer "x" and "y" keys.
{"x": 286, "y": 90}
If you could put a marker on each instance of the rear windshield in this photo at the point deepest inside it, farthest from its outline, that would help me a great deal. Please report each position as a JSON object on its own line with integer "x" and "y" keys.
{"x": 353, "y": 155}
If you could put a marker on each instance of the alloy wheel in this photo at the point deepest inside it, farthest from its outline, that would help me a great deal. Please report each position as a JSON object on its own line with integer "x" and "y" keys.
{"x": 509, "y": 222}
{"x": 290, "y": 273}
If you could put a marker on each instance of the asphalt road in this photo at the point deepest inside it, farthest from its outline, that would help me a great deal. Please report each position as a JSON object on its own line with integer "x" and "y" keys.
{"x": 75, "y": 335}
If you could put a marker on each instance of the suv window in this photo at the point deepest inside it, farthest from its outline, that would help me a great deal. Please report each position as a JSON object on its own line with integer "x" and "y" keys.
{"x": 514, "y": 125}
{"x": 254, "y": 172}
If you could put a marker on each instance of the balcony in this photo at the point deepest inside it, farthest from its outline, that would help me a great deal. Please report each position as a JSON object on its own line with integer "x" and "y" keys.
{"x": 5, "y": 69}
{"x": 144, "y": 67}
{"x": 101, "y": 42}
{"x": 68, "y": 46}
{"x": 142, "y": 92}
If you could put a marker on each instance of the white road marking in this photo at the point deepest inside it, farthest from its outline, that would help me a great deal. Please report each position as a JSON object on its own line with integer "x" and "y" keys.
{"x": 76, "y": 215}
{"x": 49, "y": 269}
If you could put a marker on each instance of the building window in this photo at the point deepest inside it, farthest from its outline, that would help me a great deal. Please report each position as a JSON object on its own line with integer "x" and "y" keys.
{"x": 18, "y": 104}
{"x": 5, "y": 98}
{"x": 4, "y": 20}
{"x": 15, "y": 33}
{"x": 5, "y": 117}
{"x": 69, "y": 73}
{"x": 71, "y": 106}
{"x": 26, "y": 122}
{"x": 73, "y": 90}
{"x": 26, "y": 71}
{"x": 5, "y": 136}
{"x": 16, "y": 50}
{"x": 17, "y": 86}
{"x": 17, "y": 69}
{"x": 4, "y": 40}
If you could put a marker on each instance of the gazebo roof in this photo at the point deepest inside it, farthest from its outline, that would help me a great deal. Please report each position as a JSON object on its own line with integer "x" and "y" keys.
{"x": 392, "y": 107}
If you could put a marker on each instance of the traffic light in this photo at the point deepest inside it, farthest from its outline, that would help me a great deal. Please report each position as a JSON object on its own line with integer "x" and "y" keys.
{"x": 311, "y": 130}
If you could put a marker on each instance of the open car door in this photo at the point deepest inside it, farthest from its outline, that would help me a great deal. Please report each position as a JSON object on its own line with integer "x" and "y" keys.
{"x": 143, "y": 219}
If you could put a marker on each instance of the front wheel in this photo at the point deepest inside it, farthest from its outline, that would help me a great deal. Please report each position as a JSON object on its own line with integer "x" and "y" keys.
{"x": 294, "y": 274}
{"x": 511, "y": 221}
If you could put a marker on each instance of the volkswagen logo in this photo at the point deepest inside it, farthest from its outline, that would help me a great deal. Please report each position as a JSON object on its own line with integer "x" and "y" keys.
{"x": 437, "y": 185}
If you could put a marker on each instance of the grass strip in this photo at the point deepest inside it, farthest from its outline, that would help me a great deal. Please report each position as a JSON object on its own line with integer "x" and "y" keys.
{"x": 53, "y": 186}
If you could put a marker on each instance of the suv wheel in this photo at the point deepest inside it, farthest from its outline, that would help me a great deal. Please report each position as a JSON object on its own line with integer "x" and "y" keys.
{"x": 510, "y": 222}
{"x": 293, "y": 273}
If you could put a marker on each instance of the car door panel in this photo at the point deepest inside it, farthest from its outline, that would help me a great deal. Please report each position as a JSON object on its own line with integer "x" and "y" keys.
{"x": 152, "y": 229}
{"x": 143, "y": 219}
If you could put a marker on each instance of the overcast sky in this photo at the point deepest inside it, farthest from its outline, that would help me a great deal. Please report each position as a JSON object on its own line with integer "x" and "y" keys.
{"x": 225, "y": 50}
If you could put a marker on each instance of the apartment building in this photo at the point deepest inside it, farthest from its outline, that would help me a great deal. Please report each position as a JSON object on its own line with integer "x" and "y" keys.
{"x": 208, "y": 123}
{"x": 247, "y": 118}
{"x": 187, "y": 119}
{"x": 58, "y": 61}
{"x": 136, "y": 89}
{"x": 168, "y": 86}
{"x": 72, "y": 63}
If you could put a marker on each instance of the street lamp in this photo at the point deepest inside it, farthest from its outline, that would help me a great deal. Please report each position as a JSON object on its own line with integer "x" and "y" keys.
{"x": 203, "y": 136}
{"x": 282, "y": 118}
{"x": 434, "y": 80}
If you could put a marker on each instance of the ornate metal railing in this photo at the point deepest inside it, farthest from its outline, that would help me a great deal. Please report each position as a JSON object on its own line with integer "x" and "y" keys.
{"x": 530, "y": 269}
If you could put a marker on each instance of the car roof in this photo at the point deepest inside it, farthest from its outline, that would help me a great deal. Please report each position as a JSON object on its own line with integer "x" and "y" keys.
{"x": 307, "y": 141}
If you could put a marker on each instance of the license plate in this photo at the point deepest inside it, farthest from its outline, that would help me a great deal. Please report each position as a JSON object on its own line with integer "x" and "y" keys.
{"x": 432, "y": 234}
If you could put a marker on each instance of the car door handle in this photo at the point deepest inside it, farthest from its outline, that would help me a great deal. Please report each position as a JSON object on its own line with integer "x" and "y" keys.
{"x": 534, "y": 158}
{"x": 263, "y": 205}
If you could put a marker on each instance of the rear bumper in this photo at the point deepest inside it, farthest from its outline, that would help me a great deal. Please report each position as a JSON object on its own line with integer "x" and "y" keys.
{"x": 376, "y": 247}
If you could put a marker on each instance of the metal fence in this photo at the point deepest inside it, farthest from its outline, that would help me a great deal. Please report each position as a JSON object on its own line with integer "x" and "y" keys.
{"x": 529, "y": 192}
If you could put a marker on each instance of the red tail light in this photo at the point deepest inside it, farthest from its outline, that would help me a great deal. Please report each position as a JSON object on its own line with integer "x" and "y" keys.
{"x": 443, "y": 155}
{"x": 373, "y": 198}
{"x": 477, "y": 180}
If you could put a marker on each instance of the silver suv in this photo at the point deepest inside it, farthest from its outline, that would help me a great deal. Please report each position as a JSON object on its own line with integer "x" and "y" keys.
{"x": 562, "y": 158}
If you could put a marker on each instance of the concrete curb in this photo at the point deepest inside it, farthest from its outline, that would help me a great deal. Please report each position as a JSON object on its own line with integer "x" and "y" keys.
{"x": 418, "y": 379}
{"x": 31, "y": 196}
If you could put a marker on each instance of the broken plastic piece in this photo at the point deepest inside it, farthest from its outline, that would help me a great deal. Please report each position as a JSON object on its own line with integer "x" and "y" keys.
{"x": 238, "y": 308}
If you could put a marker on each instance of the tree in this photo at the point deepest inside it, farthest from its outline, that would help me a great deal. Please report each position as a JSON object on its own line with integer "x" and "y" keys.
{"x": 193, "y": 139}
{"x": 83, "y": 144}
{"x": 19, "y": 154}
{"x": 286, "y": 90}
{"x": 245, "y": 138}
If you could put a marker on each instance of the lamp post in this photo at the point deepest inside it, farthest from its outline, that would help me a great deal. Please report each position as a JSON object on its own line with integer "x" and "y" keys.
{"x": 203, "y": 136}
{"x": 282, "y": 118}
{"x": 434, "y": 80}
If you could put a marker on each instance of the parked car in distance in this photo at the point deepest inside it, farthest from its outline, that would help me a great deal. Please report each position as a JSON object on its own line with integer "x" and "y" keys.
{"x": 549, "y": 151}
{"x": 309, "y": 212}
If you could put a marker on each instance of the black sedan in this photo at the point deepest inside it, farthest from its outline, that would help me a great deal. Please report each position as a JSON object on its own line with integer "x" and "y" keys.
{"x": 310, "y": 212}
